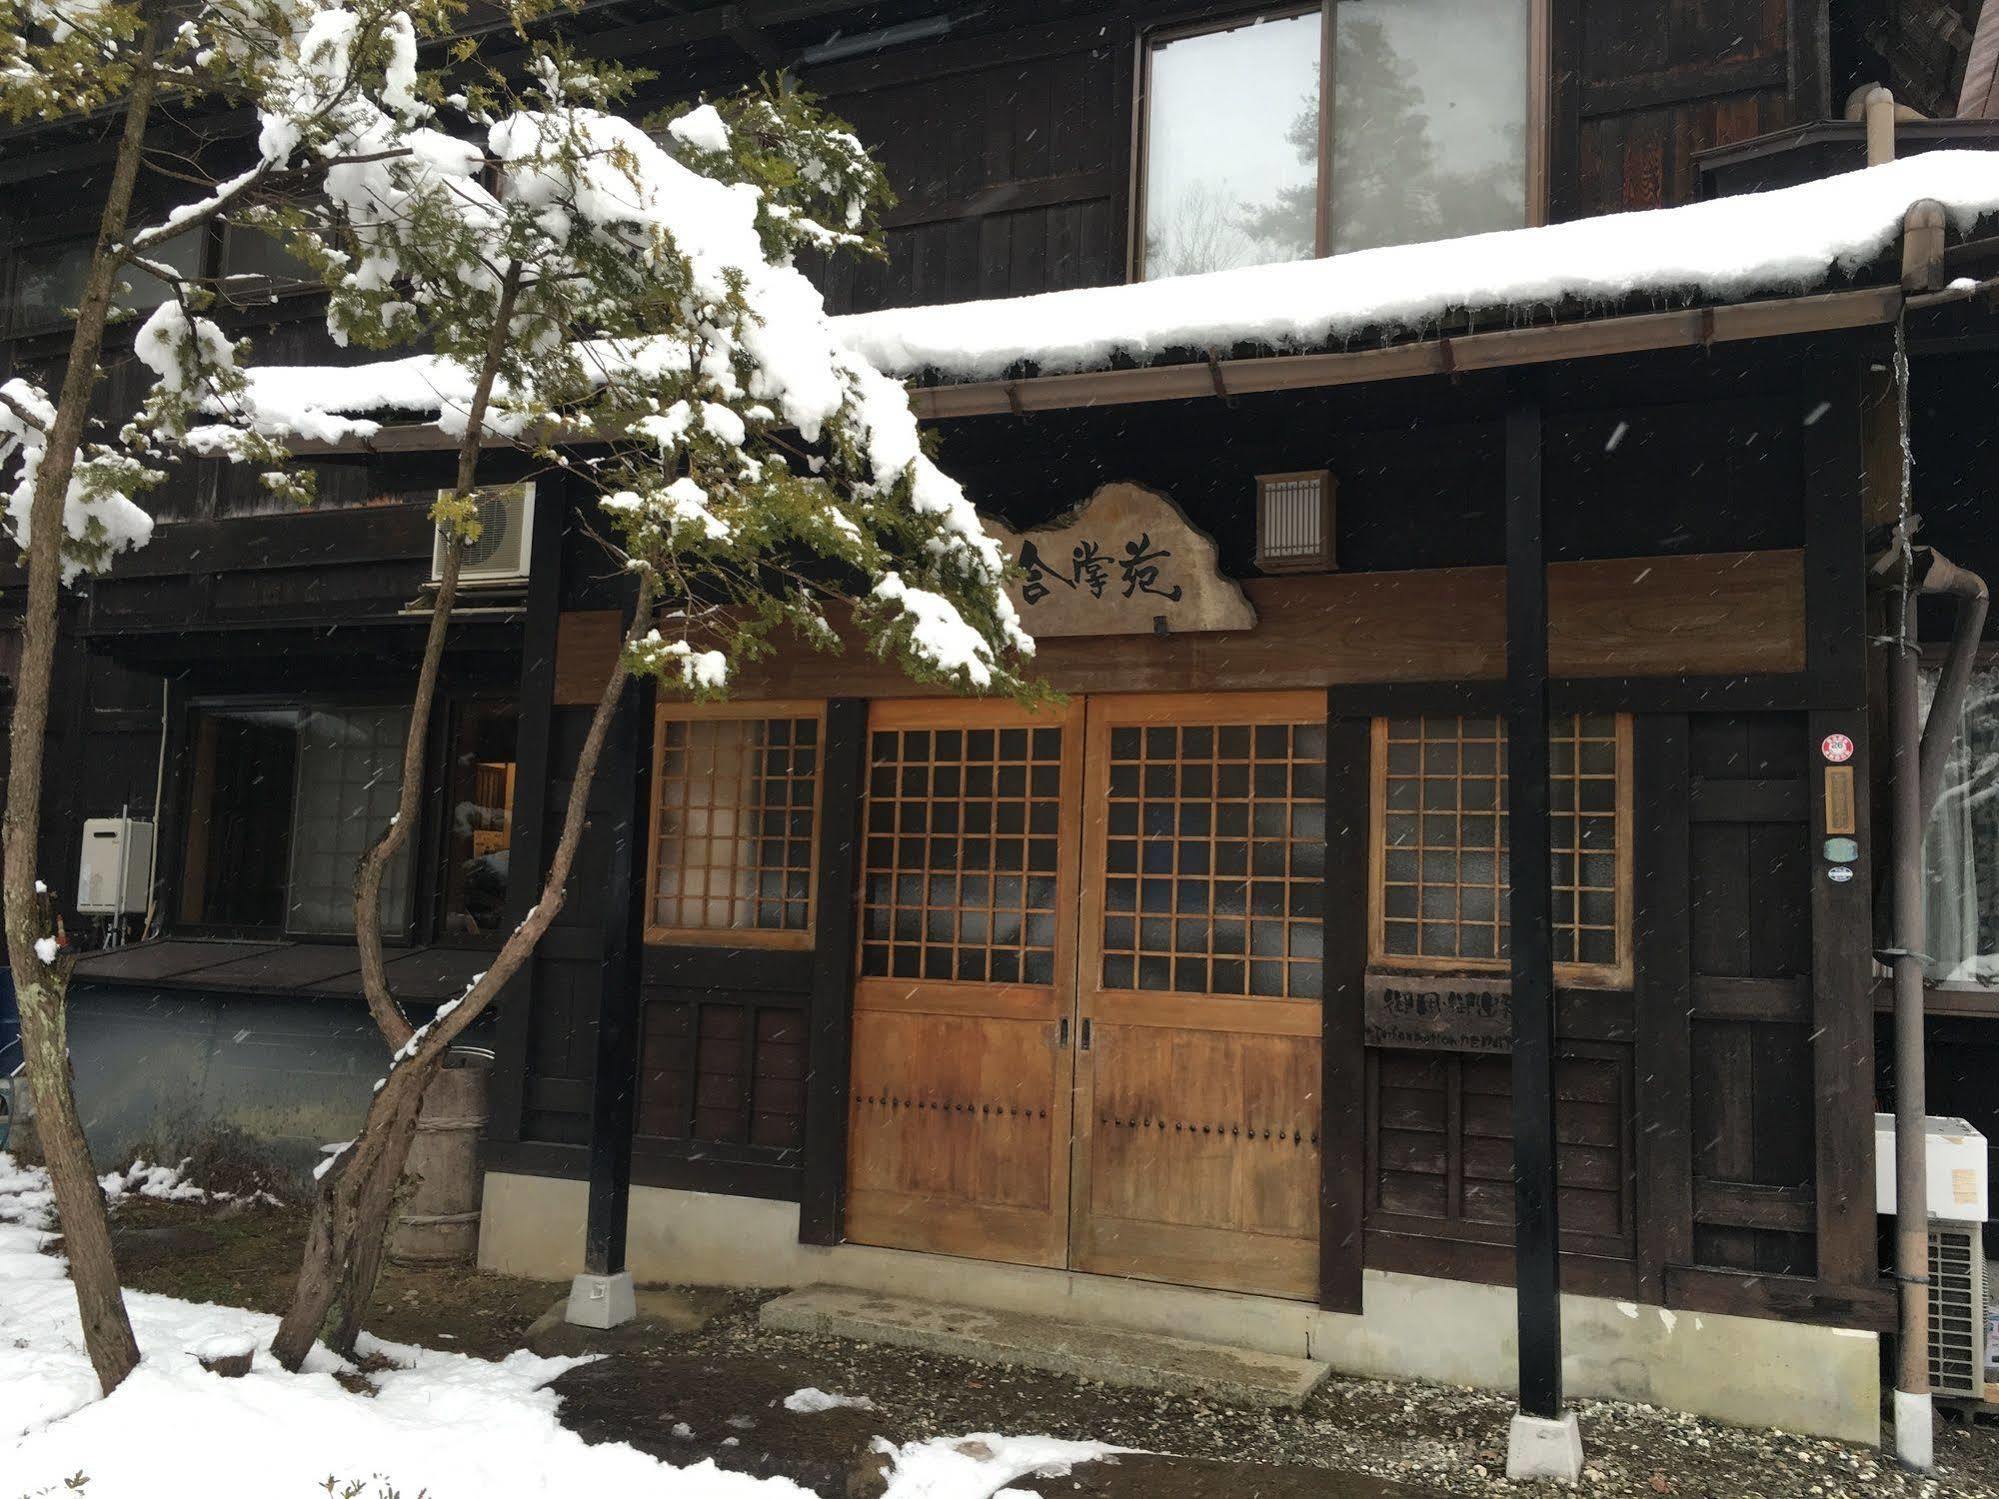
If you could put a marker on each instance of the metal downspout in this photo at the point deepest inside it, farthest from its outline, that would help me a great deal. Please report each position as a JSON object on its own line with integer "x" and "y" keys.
{"x": 1919, "y": 753}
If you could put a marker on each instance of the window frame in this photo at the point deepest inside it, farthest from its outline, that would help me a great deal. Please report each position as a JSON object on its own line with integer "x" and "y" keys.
{"x": 255, "y": 289}
{"x": 793, "y": 938}
{"x": 1933, "y": 659}
{"x": 429, "y": 889}
{"x": 49, "y": 234}
{"x": 1540, "y": 32}
{"x": 1618, "y": 975}
{"x": 403, "y": 934}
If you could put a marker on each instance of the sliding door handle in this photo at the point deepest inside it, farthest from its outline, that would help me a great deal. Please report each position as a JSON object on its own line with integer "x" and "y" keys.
{"x": 1086, "y": 1033}
{"x": 1062, "y": 1035}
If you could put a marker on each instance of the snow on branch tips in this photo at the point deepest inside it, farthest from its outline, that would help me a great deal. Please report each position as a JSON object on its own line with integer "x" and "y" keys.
{"x": 587, "y": 285}
{"x": 99, "y": 518}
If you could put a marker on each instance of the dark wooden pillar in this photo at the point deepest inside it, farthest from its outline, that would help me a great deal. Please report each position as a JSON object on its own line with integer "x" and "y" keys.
{"x": 843, "y": 764}
{"x": 1343, "y": 1055}
{"x": 1536, "y": 1229}
{"x": 526, "y": 860}
{"x": 614, "y": 1095}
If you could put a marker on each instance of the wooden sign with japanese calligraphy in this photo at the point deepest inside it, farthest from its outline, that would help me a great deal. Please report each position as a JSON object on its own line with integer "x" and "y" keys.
{"x": 1437, "y": 1012}
{"x": 1126, "y": 562}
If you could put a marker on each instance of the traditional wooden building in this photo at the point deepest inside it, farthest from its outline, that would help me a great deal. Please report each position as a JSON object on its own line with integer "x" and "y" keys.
{"x": 1181, "y": 1002}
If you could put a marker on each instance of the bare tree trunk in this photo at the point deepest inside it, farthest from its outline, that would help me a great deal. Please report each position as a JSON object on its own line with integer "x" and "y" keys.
{"x": 350, "y": 1217}
{"x": 40, "y": 987}
{"x": 374, "y": 865}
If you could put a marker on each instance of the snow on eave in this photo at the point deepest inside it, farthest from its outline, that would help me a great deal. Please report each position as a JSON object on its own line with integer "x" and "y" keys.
{"x": 1788, "y": 240}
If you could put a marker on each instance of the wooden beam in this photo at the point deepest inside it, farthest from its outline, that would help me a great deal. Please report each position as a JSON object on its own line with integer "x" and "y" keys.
{"x": 843, "y": 759}
{"x": 615, "y": 1087}
{"x": 1537, "y": 1226}
{"x": 1343, "y": 1055}
{"x": 1725, "y": 614}
{"x": 533, "y": 730}
{"x": 1835, "y": 543}
{"x": 746, "y": 34}
{"x": 1842, "y": 1016}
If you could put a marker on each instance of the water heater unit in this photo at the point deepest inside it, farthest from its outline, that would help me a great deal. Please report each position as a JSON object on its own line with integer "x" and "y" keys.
{"x": 116, "y": 871}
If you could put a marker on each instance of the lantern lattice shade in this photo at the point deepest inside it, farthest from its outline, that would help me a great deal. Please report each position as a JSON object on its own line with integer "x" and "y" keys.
{"x": 1294, "y": 521}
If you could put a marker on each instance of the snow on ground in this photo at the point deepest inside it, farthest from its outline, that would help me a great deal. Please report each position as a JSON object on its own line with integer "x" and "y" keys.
{"x": 1787, "y": 240}
{"x": 981, "y": 1465}
{"x": 811, "y": 1400}
{"x": 440, "y": 1424}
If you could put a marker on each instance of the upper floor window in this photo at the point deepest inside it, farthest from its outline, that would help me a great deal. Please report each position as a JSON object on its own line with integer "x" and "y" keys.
{"x": 48, "y": 280}
{"x": 1313, "y": 130}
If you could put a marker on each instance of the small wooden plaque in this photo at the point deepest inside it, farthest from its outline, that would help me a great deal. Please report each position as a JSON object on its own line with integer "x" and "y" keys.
{"x": 587, "y": 642}
{"x": 1839, "y": 800}
{"x": 1438, "y": 1012}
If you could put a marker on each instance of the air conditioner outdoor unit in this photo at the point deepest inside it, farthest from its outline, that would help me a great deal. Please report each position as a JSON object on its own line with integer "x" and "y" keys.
{"x": 115, "y": 872}
{"x": 1954, "y": 1171}
{"x": 506, "y": 524}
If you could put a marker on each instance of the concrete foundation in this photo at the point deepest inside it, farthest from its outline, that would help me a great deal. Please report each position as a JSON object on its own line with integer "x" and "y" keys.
{"x": 1745, "y": 1371}
{"x": 602, "y": 1301}
{"x": 1540, "y": 1448}
{"x": 1107, "y": 1355}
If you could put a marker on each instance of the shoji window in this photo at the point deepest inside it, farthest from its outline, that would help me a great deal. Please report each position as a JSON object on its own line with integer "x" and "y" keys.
{"x": 735, "y": 803}
{"x": 1439, "y": 879}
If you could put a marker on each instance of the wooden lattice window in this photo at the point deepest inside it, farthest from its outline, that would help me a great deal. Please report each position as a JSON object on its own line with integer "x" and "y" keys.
{"x": 1439, "y": 887}
{"x": 1215, "y": 859}
{"x": 961, "y": 857}
{"x": 734, "y": 819}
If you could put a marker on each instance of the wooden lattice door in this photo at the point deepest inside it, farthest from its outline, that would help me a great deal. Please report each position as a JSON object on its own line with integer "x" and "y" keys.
{"x": 1197, "y": 1069}
{"x": 962, "y": 1076}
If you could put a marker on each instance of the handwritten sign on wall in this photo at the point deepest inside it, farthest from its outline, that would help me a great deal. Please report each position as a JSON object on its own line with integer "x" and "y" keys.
{"x": 1125, "y": 562}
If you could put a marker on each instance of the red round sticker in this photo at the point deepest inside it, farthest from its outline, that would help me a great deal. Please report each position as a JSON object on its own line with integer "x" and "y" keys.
{"x": 1836, "y": 748}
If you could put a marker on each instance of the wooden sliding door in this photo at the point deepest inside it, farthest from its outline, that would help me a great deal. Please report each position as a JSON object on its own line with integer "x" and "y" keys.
{"x": 1197, "y": 1112}
{"x": 1086, "y": 1024}
{"x": 962, "y": 1079}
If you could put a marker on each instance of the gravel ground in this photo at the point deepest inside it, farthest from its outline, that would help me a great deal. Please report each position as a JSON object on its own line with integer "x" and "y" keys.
{"x": 1434, "y": 1438}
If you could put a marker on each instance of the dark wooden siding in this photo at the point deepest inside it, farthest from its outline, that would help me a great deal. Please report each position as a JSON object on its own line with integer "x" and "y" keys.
{"x": 1642, "y": 85}
{"x": 1751, "y": 870}
{"x": 1010, "y": 158}
{"x": 722, "y": 1067}
{"x": 1442, "y": 1146}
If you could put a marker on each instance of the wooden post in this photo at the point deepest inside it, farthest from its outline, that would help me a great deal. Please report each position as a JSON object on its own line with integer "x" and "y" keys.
{"x": 1543, "y": 1441}
{"x": 1878, "y": 110}
{"x": 843, "y": 768}
{"x": 528, "y": 853}
{"x": 602, "y": 1295}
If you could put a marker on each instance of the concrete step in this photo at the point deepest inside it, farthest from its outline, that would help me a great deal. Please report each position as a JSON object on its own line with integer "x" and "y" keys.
{"x": 1110, "y": 1355}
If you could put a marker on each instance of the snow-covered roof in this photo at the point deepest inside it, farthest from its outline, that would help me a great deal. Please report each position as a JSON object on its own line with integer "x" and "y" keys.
{"x": 1786, "y": 241}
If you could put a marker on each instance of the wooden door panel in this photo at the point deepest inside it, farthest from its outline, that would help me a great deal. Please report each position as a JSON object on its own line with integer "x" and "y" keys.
{"x": 1205, "y": 1129}
{"x": 954, "y": 1137}
{"x": 1197, "y": 1110}
{"x": 961, "y": 1075}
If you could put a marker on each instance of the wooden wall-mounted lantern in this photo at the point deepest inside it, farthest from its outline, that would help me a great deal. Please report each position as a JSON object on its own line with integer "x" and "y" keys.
{"x": 1294, "y": 522}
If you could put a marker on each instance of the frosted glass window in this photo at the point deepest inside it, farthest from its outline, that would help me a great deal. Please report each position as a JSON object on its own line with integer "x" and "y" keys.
{"x": 1429, "y": 120}
{"x": 733, "y": 812}
{"x": 1961, "y": 856}
{"x": 1231, "y": 161}
{"x": 349, "y": 777}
